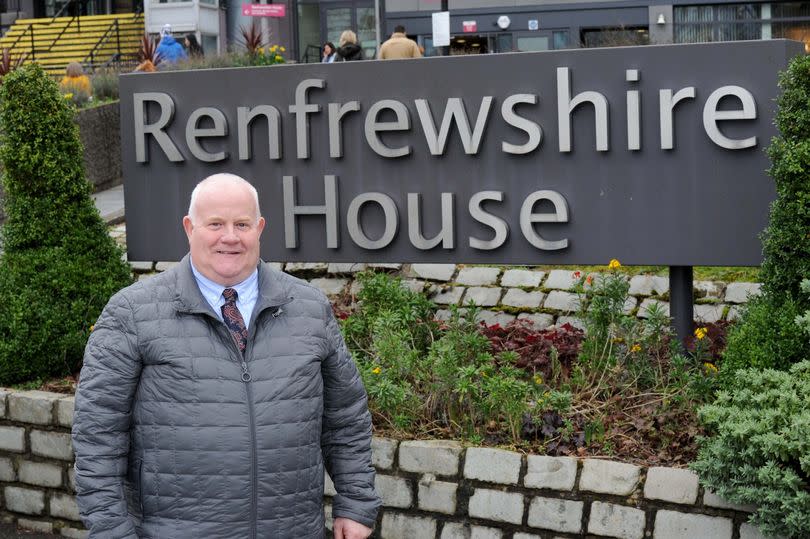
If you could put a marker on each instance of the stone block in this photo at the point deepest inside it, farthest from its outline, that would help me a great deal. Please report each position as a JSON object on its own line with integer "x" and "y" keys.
{"x": 440, "y": 457}
{"x": 437, "y": 496}
{"x": 629, "y": 304}
{"x": 32, "y": 406}
{"x": 643, "y": 310}
{"x": 446, "y": 295}
{"x": 64, "y": 506}
{"x": 74, "y": 533}
{"x": 708, "y": 289}
{"x": 555, "y": 473}
{"x": 707, "y": 314}
{"x": 647, "y": 285}
{"x": 414, "y": 285}
{"x": 734, "y": 313}
{"x": 328, "y": 485}
{"x": 25, "y": 500}
{"x": 515, "y": 297}
{"x": 386, "y": 265}
{"x": 496, "y": 505}
{"x": 492, "y": 465}
{"x": 141, "y": 266}
{"x": 749, "y": 531}
{"x": 671, "y": 485}
{"x": 330, "y": 286}
{"x": 40, "y": 473}
{"x": 522, "y": 278}
{"x": 617, "y": 521}
{"x": 571, "y": 320}
{"x": 394, "y": 491}
{"x": 562, "y": 301}
{"x": 482, "y": 296}
{"x": 442, "y": 315}
{"x": 71, "y": 478}
{"x": 477, "y": 276}
{"x": 521, "y": 535}
{"x": 55, "y": 445}
{"x": 741, "y": 292}
{"x": 7, "y": 472}
{"x": 346, "y": 268}
{"x": 491, "y": 318}
{"x": 12, "y": 439}
{"x": 64, "y": 411}
{"x": 674, "y": 525}
{"x": 609, "y": 477}
{"x": 433, "y": 272}
{"x": 560, "y": 280}
{"x": 456, "y": 530}
{"x": 163, "y": 266}
{"x": 382, "y": 452}
{"x": 396, "y": 526}
{"x": 3, "y": 400}
{"x": 314, "y": 267}
{"x": 557, "y": 515}
{"x": 34, "y": 525}
{"x": 710, "y": 499}
{"x": 327, "y": 516}
{"x": 540, "y": 320}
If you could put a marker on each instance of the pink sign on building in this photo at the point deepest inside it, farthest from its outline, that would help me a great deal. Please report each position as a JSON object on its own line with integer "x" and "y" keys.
{"x": 264, "y": 10}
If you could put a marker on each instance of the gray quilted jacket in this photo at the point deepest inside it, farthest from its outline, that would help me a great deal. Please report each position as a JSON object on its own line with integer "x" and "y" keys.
{"x": 170, "y": 442}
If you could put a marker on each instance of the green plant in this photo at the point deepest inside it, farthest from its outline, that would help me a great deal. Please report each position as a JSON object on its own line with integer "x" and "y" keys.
{"x": 766, "y": 337}
{"x": 105, "y": 84}
{"x": 59, "y": 265}
{"x": 9, "y": 63}
{"x": 803, "y": 320}
{"x": 75, "y": 94}
{"x": 786, "y": 243}
{"x": 758, "y": 452}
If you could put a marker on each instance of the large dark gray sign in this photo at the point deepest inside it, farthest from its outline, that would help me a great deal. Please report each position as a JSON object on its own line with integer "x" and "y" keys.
{"x": 652, "y": 155}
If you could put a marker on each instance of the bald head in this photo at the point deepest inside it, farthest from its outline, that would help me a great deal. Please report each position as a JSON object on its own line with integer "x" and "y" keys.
{"x": 218, "y": 182}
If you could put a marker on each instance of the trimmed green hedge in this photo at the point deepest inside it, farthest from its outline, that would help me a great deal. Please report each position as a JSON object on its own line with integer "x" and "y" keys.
{"x": 59, "y": 265}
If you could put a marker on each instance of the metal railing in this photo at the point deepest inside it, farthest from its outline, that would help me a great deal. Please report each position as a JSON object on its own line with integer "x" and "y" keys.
{"x": 29, "y": 29}
{"x": 113, "y": 30}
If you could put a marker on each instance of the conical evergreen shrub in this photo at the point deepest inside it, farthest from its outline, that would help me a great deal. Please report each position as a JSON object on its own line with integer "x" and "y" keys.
{"x": 59, "y": 266}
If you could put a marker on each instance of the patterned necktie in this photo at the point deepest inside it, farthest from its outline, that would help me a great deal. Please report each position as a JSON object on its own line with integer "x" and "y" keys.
{"x": 233, "y": 319}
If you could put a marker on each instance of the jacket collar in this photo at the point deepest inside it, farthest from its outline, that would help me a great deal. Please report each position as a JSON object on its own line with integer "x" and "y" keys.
{"x": 189, "y": 299}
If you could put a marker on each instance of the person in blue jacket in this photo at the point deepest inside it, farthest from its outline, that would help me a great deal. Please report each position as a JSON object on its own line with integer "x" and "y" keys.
{"x": 169, "y": 51}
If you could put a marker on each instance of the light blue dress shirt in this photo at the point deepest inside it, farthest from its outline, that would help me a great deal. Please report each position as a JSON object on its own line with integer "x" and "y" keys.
{"x": 247, "y": 291}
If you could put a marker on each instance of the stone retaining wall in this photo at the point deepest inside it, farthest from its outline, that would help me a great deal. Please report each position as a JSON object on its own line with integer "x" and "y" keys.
{"x": 505, "y": 293}
{"x": 430, "y": 489}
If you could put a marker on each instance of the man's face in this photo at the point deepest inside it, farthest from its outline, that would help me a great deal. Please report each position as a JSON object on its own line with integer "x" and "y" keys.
{"x": 224, "y": 236}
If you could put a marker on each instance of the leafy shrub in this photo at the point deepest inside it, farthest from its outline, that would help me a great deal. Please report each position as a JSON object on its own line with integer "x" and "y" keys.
{"x": 59, "y": 265}
{"x": 758, "y": 452}
{"x": 75, "y": 94}
{"x": 766, "y": 337}
{"x": 105, "y": 84}
{"x": 424, "y": 376}
{"x": 786, "y": 243}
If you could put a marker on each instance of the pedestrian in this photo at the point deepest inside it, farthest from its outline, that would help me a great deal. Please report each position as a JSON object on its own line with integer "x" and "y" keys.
{"x": 213, "y": 396}
{"x": 399, "y": 45}
{"x": 349, "y": 50}
{"x": 328, "y": 53}
{"x": 169, "y": 51}
{"x": 193, "y": 48}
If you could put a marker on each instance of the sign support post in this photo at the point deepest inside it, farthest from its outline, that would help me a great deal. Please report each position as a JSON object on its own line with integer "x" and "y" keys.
{"x": 680, "y": 300}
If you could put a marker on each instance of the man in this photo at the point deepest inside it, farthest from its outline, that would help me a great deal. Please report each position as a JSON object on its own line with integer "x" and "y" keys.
{"x": 399, "y": 46}
{"x": 213, "y": 395}
{"x": 169, "y": 51}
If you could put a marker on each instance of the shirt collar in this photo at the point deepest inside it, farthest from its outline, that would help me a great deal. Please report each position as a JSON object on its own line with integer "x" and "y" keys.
{"x": 247, "y": 290}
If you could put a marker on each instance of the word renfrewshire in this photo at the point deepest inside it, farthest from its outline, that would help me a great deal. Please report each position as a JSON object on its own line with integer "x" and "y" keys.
{"x": 376, "y": 161}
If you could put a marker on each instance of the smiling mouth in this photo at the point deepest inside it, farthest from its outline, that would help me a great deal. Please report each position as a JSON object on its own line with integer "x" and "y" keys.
{"x": 228, "y": 252}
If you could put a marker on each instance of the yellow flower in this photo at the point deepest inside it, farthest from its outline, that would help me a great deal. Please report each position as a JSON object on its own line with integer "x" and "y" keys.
{"x": 636, "y": 348}
{"x": 614, "y": 264}
{"x": 538, "y": 379}
{"x": 274, "y": 48}
{"x": 282, "y": 49}
{"x": 92, "y": 328}
{"x": 700, "y": 333}
{"x": 69, "y": 95}
{"x": 279, "y": 57}
{"x": 710, "y": 368}
{"x": 376, "y": 370}
{"x": 261, "y": 50}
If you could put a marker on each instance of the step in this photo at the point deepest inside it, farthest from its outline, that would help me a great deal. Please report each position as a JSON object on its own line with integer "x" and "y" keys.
{"x": 65, "y": 20}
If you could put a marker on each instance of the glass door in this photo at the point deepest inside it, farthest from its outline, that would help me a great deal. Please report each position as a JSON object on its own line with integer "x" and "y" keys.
{"x": 356, "y": 16}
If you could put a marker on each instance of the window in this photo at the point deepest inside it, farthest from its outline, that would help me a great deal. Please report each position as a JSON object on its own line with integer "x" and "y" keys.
{"x": 728, "y": 22}
{"x": 615, "y": 37}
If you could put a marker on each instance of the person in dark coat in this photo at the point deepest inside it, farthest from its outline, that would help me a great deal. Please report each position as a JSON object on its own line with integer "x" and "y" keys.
{"x": 214, "y": 395}
{"x": 349, "y": 50}
{"x": 193, "y": 47}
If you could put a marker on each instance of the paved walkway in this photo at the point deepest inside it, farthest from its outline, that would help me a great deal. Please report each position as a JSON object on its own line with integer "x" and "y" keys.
{"x": 110, "y": 204}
